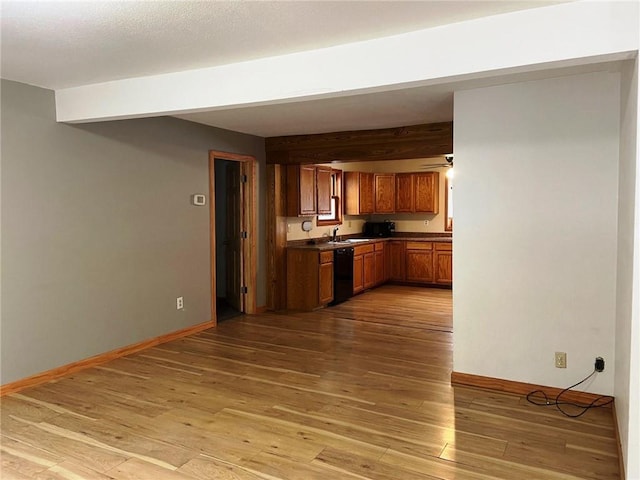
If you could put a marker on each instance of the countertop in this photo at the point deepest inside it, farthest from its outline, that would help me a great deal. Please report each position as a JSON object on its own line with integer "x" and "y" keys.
{"x": 323, "y": 245}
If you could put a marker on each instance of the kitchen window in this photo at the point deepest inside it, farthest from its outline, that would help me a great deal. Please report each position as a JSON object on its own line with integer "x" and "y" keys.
{"x": 335, "y": 217}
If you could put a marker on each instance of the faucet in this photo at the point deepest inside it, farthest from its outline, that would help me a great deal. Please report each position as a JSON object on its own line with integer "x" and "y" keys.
{"x": 335, "y": 233}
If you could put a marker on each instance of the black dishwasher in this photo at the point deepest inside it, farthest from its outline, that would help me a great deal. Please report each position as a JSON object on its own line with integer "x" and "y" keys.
{"x": 342, "y": 275}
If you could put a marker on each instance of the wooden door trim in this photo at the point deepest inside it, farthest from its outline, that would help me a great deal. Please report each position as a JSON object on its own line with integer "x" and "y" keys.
{"x": 249, "y": 247}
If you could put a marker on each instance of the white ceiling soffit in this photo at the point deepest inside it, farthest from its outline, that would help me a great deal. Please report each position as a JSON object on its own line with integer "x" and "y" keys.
{"x": 407, "y": 106}
{"x": 61, "y": 44}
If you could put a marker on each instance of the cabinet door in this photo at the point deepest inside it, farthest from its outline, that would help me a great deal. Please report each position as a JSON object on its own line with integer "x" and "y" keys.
{"x": 396, "y": 261}
{"x": 358, "y": 273}
{"x": 405, "y": 192}
{"x": 426, "y": 192}
{"x": 385, "y": 190}
{"x": 358, "y": 193}
{"x": 443, "y": 264}
{"x": 419, "y": 262}
{"x": 323, "y": 180}
{"x": 379, "y": 267}
{"x": 326, "y": 283}
{"x": 301, "y": 190}
{"x": 367, "y": 193}
{"x": 307, "y": 190}
{"x": 369, "y": 270}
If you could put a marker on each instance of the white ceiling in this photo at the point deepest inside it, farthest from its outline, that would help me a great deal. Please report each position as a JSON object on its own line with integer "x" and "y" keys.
{"x": 57, "y": 45}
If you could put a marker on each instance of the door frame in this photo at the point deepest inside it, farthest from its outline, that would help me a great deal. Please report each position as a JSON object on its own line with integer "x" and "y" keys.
{"x": 248, "y": 210}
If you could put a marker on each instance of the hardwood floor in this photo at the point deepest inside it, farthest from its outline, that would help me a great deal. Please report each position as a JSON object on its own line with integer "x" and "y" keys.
{"x": 357, "y": 391}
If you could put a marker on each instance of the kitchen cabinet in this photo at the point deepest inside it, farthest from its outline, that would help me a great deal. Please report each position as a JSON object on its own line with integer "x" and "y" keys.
{"x": 323, "y": 189}
{"x": 405, "y": 192}
{"x": 363, "y": 268}
{"x": 419, "y": 262}
{"x": 358, "y": 273}
{"x": 359, "y": 193}
{"x": 385, "y": 192}
{"x": 309, "y": 278}
{"x": 380, "y": 263}
{"x": 308, "y": 190}
{"x": 426, "y": 192}
{"x": 443, "y": 263}
{"x": 396, "y": 258}
{"x": 417, "y": 192}
{"x": 369, "y": 270}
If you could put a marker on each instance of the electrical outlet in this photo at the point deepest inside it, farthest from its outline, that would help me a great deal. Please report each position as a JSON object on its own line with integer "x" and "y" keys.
{"x": 349, "y": 224}
{"x": 288, "y": 228}
{"x": 561, "y": 360}
{"x": 179, "y": 303}
{"x": 599, "y": 366}
{"x": 426, "y": 222}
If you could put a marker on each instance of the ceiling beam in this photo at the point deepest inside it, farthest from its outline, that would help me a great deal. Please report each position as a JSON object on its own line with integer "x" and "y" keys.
{"x": 401, "y": 143}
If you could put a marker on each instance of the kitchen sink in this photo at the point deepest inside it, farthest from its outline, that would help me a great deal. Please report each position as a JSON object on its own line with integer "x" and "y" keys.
{"x": 357, "y": 240}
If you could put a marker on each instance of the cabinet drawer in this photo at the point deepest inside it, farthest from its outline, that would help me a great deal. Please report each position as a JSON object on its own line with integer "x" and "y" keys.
{"x": 326, "y": 257}
{"x": 419, "y": 246}
{"x": 362, "y": 249}
{"x": 442, "y": 246}
{"x": 379, "y": 246}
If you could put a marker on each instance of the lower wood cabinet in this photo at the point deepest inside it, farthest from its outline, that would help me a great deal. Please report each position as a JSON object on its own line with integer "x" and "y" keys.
{"x": 309, "y": 278}
{"x": 443, "y": 263}
{"x": 363, "y": 268}
{"x": 425, "y": 263}
{"x": 396, "y": 258}
{"x": 380, "y": 264}
{"x": 419, "y": 262}
{"x": 358, "y": 273}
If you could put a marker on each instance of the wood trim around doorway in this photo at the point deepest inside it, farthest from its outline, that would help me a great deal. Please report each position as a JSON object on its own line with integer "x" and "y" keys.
{"x": 249, "y": 249}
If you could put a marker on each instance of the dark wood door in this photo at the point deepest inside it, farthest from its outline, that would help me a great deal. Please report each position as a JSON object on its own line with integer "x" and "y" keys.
{"x": 379, "y": 267}
{"x": 307, "y": 190}
{"x": 367, "y": 193}
{"x": 443, "y": 264}
{"x": 233, "y": 240}
{"x": 326, "y": 283}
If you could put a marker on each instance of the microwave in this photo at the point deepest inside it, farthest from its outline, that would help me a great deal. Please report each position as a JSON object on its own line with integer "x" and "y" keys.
{"x": 379, "y": 229}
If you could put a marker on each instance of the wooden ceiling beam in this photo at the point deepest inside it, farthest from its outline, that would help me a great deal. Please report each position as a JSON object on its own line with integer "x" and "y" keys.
{"x": 415, "y": 141}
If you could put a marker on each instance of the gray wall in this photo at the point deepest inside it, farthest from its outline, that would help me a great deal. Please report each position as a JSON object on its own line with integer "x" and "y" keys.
{"x": 98, "y": 235}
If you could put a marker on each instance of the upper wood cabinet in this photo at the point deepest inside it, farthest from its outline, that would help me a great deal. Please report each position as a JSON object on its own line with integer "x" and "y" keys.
{"x": 323, "y": 183}
{"x": 359, "y": 193}
{"x": 385, "y": 192}
{"x": 301, "y": 190}
{"x": 413, "y": 192}
{"x": 426, "y": 192}
{"x": 405, "y": 192}
{"x": 308, "y": 190}
{"x": 417, "y": 192}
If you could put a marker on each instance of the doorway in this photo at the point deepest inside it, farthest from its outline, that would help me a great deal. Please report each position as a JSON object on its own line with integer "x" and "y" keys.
{"x": 229, "y": 298}
{"x": 233, "y": 252}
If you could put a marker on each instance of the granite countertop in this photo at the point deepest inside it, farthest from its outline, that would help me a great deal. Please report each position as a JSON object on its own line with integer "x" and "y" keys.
{"x": 322, "y": 244}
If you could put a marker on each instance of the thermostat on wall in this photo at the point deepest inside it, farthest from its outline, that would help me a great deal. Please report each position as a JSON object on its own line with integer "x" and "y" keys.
{"x": 198, "y": 199}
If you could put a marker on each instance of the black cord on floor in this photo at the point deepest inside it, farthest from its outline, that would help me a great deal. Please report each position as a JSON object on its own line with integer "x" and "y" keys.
{"x": 604, "y": 400}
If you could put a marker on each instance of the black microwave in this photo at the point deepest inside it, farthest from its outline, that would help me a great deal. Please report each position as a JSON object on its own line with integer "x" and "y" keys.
{"x": 379, "y": 229}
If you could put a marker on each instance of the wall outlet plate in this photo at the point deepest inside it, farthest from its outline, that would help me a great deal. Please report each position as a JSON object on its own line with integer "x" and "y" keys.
{"x": 561, "y": 360}
{"x": 198, "y": 199}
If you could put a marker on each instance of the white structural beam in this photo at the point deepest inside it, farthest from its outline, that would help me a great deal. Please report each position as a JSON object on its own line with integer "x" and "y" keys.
{"x": 554, "y": 36}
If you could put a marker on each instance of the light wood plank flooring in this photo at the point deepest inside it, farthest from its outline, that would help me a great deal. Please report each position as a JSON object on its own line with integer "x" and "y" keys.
{"x": 357, "y": 391}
